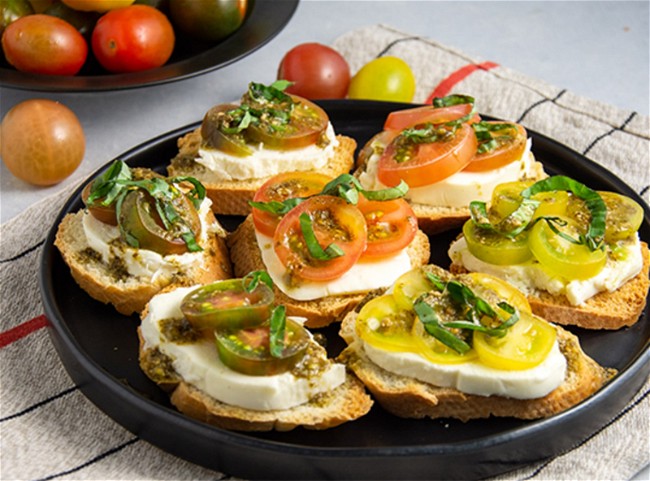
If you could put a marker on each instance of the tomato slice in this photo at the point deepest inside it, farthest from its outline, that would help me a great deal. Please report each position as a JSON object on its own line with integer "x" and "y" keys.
{"x": 494, "y": 248}
{"x": 247, "y": 350}
{"x": 307, "y": 124}
{"x": 402, "y": 119}
{"x": 419, "y": 163}
{"x": 624, "y": 216}
{"x": 103, "y": 213}
{"x": 228, "y": 304}
{"x": 526, "y": 344}
{"x": 212, "y": 131}
{"x": 510, "y": 146}
{"x": 562, "y": 257}
{"x": 384, "y": 324}
{"x": 282, "y": 187}
{"x": 435, "y": 351}
{"x": 409, "y": 286}
{"x": 139, "y": 221}
{"x": 391, "y": 226}
{"x": 333, "y": 221}
{"x": 503, "y": 290}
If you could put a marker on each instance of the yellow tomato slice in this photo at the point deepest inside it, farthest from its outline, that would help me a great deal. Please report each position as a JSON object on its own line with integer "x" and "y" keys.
{"x": 435, "y": 351}
{"x": 409, "y": 286}
{"x": 502, "y": 290}
{"x": 385, "y": 325}
{"x": 527, "y": 343}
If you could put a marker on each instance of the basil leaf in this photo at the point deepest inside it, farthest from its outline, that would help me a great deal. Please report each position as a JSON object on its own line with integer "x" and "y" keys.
{"x": 454, "y": 99}
{"x": 277, "y": 329}
{"x": 429, "y": 319}
{"x": 107, "y": 187}
{"x": 437, "y": 282}
{"x": 252, "y": 280}
{"x": 315, "y": 250}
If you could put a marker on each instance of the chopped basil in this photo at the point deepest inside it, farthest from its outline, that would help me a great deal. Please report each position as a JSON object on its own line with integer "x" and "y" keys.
{"x": 252, "y": 280}
{"x": 277, "y": 329}
{"x": 313, "y": 246}
{"x": 486, "y": 141}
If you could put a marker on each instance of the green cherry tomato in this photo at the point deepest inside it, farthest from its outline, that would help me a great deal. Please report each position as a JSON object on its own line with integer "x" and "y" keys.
{"x": 208, "y": 20}
{"x": 11, "y": 10}
{"x": 385, "y": 78}
{"x": 227, "y": 304}
{"x": 494, "y": 248}
{"x": 382, "y": 323}
{"x": 247, "y": 350}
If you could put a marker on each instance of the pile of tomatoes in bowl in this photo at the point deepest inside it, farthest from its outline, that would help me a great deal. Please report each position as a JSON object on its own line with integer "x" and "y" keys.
{"x": 77, "y": 37}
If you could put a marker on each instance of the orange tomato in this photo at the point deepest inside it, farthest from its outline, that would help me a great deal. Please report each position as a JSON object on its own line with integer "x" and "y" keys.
{"x": 510, "y": 146}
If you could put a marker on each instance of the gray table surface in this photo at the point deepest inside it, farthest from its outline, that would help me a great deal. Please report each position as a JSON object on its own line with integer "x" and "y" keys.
{"x": 595, "y": 49}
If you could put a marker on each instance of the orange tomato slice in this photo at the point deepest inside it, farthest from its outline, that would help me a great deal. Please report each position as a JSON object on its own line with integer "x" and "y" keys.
{"x": 511, "y": 145}
{"x": 426, "y": 163}
{"x": 402, "y": 119}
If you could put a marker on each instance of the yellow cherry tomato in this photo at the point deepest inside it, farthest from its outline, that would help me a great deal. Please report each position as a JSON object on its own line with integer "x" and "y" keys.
{"x": 97, "y": 5}
{"x": 384, "y": 325}
{"x": 409, "y": 286}
{"x": 385, "y": 78}
{"x": 503, "y": 290}
{"x": 527, "y": 343}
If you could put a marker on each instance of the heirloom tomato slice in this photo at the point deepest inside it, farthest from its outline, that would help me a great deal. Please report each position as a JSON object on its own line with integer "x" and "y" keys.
{"x": 384, "y": 324}
{"x": 402, "y": 119}
{"x": 281, "y": 187}
{"x": 335, "y": 225}
{"x": 494, "y": 248}
{"x": 624, "y": 216}
{"x": 391, "y": 226}
{"x": 435, "y": 351}
{"x": 411, "y": 157}
{"x": 509, "y": 144}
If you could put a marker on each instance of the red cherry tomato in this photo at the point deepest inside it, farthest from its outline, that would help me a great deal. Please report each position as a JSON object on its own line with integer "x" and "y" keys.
{"x": 334, "y": 221}
{"x": 402, "y": 119}
{"x": 318, "y": 72}
{"x": 281, "y": 187}
{"x": 510, "y": 146}
{"x": 424, "y": 163}
{"x": 43, "y": 44}
{"x": 133, "y": 38}
{"x": 391, "y": 226}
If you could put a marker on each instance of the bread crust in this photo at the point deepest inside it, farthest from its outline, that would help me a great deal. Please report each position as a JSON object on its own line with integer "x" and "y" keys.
{"x": 605, "y": 310}
{"x": 130, "y": 295}
{"x": 410, "y": 398}
{"x": 232, "y": 197}
{"x": 246, "y": 257}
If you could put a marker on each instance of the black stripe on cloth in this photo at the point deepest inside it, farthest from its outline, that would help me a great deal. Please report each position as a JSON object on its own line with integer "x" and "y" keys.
{"x": 612, "y": 421}
{"x": 91, "y": 461}
{"x": 607, "y": 134}
{"x": 540, "y": 102}
{"x": 395, "y": 42}
{"x": 644, "y": 190}
{"x": 23, "y": 253}
{"x": 38, "y": 404}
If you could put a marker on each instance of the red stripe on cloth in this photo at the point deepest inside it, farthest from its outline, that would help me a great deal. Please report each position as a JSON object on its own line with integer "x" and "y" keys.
{"x": 22, "y": 330}
{"x": 445, "y": 86}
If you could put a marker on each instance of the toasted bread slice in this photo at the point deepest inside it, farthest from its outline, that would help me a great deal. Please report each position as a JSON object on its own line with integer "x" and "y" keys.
{"x": 110, "y": 283}
{"x": 410, "y": 398}
{"x": 246, "y": 257}
{"x": 231, "y": 197}
{"x": 605, "y": 310}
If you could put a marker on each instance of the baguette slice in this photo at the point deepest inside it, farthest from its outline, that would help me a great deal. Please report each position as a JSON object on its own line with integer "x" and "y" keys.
{"x": 246, "y": 257}
{"x": 126, "y": 293}
{"x": 231, "y": 197}
{"x": 347, "y": 402}
{"x": 606, "y": 310}
{"x": 411, "y": 398}
{"x": 435, "y": 219}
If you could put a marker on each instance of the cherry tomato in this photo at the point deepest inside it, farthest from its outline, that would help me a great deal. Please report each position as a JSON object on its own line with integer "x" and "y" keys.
{"x": 44, "y": 44}
{"x": 504, "y": 291}
{"x": 12, "y": 10}
{"x": 317, "y": 72}
{"x": 510, "y": 146}
{"x": 307, "y": 123}
{"x": 139, "y": 220}
{"x": 97, "y": 5}
{"x": 383, "y": 324}
{"x": 281, "y": 187}
{"x": 84, "y": 22}
{"x": 494, "y": 248}
{"x": 391, "y": 226}
{"x": 208, "y": 20}
{"x": 562, "y": 257}
{"x": 103, "y": 213}
{"x": 402, "y": 119}
{"x": 334, "y": 221}
{"x": 42, "y": 141}
{"x": 133, "y": 38}
{"x": 228, "y": 304}
{"x": 385, "y": 78}
{"x": 247, "y": 350}
{"x": 421, "y": 162}
{"x": 526, "y": 344}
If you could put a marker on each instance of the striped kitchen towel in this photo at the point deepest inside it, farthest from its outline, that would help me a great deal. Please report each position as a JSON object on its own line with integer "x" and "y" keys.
{"x": 50, "y": 431}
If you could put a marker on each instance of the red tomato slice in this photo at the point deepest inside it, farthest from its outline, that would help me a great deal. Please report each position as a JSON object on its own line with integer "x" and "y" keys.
{"x": 281, "y": 187}
{"x": 391, "y": 226}
{"x": 334, "y": 221}
{"x": 511, "y": 144}
{"x": 427, "y": 162}
{"x": 402, "y": 119}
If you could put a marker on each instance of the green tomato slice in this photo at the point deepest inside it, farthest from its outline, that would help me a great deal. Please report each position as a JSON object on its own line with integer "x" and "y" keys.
{"x": 561, "y": 256}
{"x": 494, "y": 248}
{"x": 383, "y": 324}
{"x": 526, "y": 344}
{"x": 247, "y": 350}
{"x": 227, "y": 304}
{"x": 218, "y": 119}
{"x": 624, "y": 216}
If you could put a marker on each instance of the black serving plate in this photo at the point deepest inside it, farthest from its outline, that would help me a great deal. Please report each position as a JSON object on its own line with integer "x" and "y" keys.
{"x": 99, "y": 348}
{"x": 264, "y": 20}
